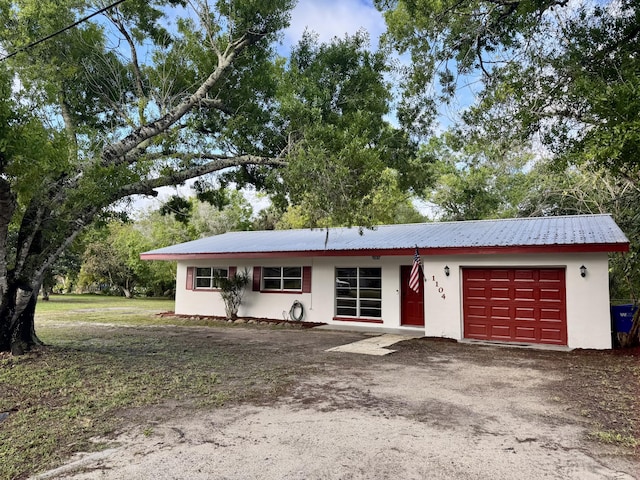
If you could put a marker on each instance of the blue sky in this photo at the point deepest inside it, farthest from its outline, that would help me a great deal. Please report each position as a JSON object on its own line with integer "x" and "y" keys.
{"x": 334, "y": 18}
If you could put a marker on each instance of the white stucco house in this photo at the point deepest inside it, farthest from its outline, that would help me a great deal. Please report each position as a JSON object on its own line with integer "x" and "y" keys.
{"x": 525, "y": 281}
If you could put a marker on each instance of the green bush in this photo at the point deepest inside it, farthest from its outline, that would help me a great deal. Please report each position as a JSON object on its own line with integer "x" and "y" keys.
{"x": 232, "y": 290}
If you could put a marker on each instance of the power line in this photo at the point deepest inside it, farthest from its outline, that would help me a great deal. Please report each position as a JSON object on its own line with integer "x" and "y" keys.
{"x": 33, "y": 44}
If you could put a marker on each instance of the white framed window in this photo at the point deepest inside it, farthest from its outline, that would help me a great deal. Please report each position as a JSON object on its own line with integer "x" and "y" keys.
{"x": 359, "y": 292}
{"x": 282, "y": 279}
{"x": 209, "y": 277}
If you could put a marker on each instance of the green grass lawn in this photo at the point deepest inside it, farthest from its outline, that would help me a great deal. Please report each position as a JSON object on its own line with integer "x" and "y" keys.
{"x": 93, "y": 374}
{"x": 73, "y": 302}
{"x": 92, "y": 307}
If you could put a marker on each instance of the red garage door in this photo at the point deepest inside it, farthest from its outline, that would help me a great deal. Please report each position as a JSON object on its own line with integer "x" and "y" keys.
{"x": 515, "y": 305}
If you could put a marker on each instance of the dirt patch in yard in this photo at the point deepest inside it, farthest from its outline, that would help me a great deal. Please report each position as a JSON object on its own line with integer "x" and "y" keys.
{"x": 433, "y": 409}
{"x": 602, "y": 387}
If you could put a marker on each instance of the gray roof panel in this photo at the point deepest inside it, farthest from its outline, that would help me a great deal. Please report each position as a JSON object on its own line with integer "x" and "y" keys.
{"x": 576, "y": 230}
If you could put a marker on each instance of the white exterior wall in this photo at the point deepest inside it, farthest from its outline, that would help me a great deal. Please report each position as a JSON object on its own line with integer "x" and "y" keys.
{"x": 193, "y": 302}
{"x": 319, "y": 305}
{"x": 254, "y": 304}
{"x": 587, "y": 299}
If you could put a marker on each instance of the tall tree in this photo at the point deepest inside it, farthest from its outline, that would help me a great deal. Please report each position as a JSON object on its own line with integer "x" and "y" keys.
{"x": 386, "y": 204}
{"x": 103, "y": 123}
{"x": 230, "y": 211}
{"x": 112, "y": 258}
{"x": 580, "y": 190}
{"x": 336, "y": 110}
{"x": 476, "y": 180}
{"x": 561, "y": 73}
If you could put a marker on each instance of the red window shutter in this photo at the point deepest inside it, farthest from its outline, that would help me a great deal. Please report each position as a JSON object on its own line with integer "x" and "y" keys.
{"x": 190, "y": 278}
{"x": 232, "y": 271}
{"x": 257, "y": 271}
{"x": 306, "y": 279}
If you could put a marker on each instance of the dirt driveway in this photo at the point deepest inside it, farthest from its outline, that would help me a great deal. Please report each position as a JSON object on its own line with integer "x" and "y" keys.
{"x": 431, "y": 410}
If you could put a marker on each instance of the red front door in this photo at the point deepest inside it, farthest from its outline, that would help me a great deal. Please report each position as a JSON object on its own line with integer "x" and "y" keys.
{"x": 411, "y": 303}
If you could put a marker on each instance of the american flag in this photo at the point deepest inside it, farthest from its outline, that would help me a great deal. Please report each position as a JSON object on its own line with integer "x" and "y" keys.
{"x": 414, "y": 278}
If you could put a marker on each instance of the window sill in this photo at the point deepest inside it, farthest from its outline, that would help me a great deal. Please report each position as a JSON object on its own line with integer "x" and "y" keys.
{"x": 294, "y": 292}
{"x": 358, "y": 319}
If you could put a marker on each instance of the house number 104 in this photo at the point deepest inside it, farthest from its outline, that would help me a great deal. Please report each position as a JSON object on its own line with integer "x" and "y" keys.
{"x": 440, "y": 289}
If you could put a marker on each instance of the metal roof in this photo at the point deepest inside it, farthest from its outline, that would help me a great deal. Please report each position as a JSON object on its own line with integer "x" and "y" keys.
{"x": 580, "y": 232}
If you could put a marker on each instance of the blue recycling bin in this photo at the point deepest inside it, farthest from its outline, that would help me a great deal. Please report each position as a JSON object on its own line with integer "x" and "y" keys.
{"x": 622, "y": 316}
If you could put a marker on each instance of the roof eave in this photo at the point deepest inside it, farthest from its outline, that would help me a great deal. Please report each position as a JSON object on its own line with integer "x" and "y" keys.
{"x": 430, "y": 251}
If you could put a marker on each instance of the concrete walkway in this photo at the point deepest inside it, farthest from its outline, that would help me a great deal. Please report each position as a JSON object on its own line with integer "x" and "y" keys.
{"x": 372, "y": 346}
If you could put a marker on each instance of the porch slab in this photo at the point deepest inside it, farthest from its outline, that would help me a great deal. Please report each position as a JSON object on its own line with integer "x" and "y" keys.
{"x": 372, "y": 346}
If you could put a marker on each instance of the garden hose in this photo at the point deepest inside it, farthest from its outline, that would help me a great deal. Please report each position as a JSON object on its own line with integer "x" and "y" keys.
{"x": 297, "y": 306}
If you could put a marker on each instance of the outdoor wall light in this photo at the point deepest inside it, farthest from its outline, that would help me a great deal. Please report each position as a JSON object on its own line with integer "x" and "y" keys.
{"x": 446, "y": 270}
{"x": 583, "y": 271}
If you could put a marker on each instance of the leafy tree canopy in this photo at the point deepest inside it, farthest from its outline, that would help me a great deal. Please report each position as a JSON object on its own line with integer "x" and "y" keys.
{"x": 474, "y": 180}
{"x": 344, "y": 149}
{"x": 561, "y": 73}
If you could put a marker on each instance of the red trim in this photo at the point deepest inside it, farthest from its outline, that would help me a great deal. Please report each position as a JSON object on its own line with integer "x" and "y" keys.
{"x": 190, "y": 275}
{"x": 364, "y": 320}
{"x": 512, "y": 249}
{"x": 257, "y": 277}
{"x": 306, "y": 282}
{"x": 306, "y": 279}
{"x": 232, "y": 271}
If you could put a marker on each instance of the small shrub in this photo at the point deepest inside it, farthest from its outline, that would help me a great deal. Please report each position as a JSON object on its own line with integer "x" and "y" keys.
{"x": 232, "y": 290}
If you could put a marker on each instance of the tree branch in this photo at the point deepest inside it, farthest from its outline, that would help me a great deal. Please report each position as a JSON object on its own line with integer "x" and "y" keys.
{"x": 217, "y": 104}
{"x": 7, "y": 207}
{"x": 74, "y": 230}
{"x": 117, "y": 21}
{"x": 116, "y": 154}
{"x": 30, "y": 227}
{"x": 69, "y": 126}
{"x": 217, "y": 163}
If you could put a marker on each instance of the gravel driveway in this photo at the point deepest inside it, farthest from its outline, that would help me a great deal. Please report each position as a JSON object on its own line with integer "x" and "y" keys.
{"x": 431, "y": 410}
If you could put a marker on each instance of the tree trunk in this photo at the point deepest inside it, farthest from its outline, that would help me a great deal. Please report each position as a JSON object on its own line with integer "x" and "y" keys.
{"x": 17, "y": 315}
{"x": 7, "y": 288}
{"x": 23, "y": 336}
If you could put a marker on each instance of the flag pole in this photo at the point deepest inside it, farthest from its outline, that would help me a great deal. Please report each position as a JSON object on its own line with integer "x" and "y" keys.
{"x": 424, "y": 277}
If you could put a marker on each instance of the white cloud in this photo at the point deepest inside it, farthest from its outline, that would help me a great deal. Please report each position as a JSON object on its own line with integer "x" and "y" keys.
{"x": 334, "y": 18}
